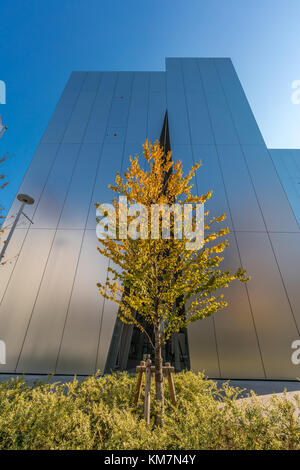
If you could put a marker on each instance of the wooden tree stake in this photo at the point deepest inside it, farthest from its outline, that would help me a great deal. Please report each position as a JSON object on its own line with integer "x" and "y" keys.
{"x": 139, "y": 384}
{"x": 147, "y": 392}
{"x": 171, "y": 382}
{"x": 147, "y": 368}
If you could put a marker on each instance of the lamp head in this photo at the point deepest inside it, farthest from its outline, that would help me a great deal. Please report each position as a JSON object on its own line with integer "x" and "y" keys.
{"x": 25, "y": 198}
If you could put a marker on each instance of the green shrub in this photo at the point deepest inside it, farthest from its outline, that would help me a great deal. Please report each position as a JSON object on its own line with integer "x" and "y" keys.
{"x": 98, "y": 413}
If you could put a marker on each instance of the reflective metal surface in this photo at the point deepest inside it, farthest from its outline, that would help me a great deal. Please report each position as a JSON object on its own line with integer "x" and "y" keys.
{"x": 287, "y": 164}
{"x": 52, "y": 316}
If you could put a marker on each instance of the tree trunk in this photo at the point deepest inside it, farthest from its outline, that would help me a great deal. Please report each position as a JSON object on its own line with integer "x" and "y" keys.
{"x": 158, "y": 378}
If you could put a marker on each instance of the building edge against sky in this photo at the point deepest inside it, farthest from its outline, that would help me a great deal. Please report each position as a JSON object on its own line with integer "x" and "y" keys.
{"x": 52, "y": 317}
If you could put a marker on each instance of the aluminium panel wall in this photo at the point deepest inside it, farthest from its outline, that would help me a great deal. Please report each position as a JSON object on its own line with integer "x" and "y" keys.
{"x": 220, "y": 116}
{"x": 287, "y": 252}
{"x": 81, "y": 333}
{"x": 236, "y": 335}
{"x": 78, "y": 199}
{"x": 275, "y": 323}
{"x": 242, "y": 116}
{"x": 157, "y": 104}
{"x": 19, "y": 299}
{"x": 63, "y": 111}
{"x": 50, "y": 205}
{"x": 253, "y": 197}
{"x": 102, "y": 118}
{"x": 244, "y": 208}
{"x": 274, "y": 203}
{"x": 36, "y": 178}
{"x": 40, "y": 349}
{"x": 287, "y": 164}
{"x": 210, "y": 177}
{"x": 96, "y": 127}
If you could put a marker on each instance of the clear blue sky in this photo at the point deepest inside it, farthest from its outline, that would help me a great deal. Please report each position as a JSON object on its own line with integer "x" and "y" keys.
{"x": 42, "y": 41}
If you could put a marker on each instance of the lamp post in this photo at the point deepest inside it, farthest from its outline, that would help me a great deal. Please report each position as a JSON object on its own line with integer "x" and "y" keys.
{"x": 24, "y": 199}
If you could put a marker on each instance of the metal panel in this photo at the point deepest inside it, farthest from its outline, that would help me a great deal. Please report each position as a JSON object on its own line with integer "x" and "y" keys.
{"x": 199, "y": 120}
{"x": 221, "y": 120}
{"x": 57, "y": 125}
{"x": 138, "y": 113}
{"x": 107, "y": 327}
{"x": 176, "y": 104}
{"x": 202, "y": 347}
{"x": 21, "y": 293}
{"x": 35, "y": 179}
{"x": 244, "y": 208}
{"x": 157, "y": 105}
{"x": 242, "y": 115}
{"x": 157, "y": 110}
{"x": 201, "y": 132}
{"x": 235, "y": 329}
{"x": 78, "y": 200}
{"x": 97, "y": 124}
{"x": 157, "y": 82}
{"x": 276, "y": 328}
{"x": 110, "y": 163}
{"x": 92, "y": 81}
{"x": 287, "y": 251}
{"x": 80, "y": 117}
{"x": 41, "y": 345}
{"x": 78, "y": 352}
{"x": 191, "y": 76}
{"x": 294, "y": 167}
{"x": 51, "y": 202}
{"x": 115, "y": 135}
{"x": 288, "y": 170}
{"x": 123, "y": 88}
{"x": 11, "y": 255}
{"x": 209, "y": 177}
{"x": 275, "y": 206}
{"x": 119, "y": 114}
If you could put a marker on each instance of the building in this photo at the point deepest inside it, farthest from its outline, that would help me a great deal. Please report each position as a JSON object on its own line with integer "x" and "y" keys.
{"x": 52, "y": 317}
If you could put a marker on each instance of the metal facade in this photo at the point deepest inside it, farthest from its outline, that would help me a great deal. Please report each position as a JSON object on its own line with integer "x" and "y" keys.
{"x": 52, "y": 317}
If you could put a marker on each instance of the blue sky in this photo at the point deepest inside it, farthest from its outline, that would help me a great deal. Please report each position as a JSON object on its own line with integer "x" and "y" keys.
{"x": 42, "y": 41}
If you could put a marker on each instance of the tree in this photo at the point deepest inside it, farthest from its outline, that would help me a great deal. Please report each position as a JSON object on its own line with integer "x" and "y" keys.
{"x": 157, "y": 281}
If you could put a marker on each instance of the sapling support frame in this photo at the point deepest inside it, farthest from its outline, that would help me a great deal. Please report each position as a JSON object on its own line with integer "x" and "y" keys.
{"x": 147, "y": 369}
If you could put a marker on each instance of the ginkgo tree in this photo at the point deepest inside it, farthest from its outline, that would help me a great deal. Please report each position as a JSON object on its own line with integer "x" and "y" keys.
{"x": 156, "y": 280}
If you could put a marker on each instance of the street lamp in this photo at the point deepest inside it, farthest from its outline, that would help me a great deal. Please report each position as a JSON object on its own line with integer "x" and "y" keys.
{"x": 24, "y": 199}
